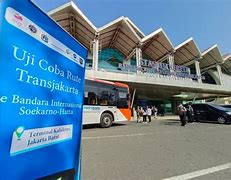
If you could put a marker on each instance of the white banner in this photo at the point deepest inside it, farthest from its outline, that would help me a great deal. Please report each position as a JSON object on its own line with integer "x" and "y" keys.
{"x": 31, "y": 139}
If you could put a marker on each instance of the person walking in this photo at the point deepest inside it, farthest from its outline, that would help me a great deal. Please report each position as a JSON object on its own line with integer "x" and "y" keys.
{"x": 149, "y": 114}
{"x": 138, "y": 114}
{"x": 155, "y": 110}
{"x": 182, "y": 114}
{"x": 144, "y": 113}
{"x": 190, "y": 113}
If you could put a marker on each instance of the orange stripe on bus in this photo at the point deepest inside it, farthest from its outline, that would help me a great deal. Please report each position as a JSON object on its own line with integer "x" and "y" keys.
{"x": 126, "y": 113}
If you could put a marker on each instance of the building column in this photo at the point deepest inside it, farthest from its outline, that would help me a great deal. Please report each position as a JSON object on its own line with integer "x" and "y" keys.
{"x": 171, "y": 64}
{"x": 219, "y": 74}
{"x": 138, "y": 58}
{"x": 95, "y": 54}
{"x": 198, "y": 71}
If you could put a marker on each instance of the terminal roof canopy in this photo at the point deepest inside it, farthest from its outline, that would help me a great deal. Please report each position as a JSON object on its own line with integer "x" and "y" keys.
{"x": 75, "y": 22}
{"x": 186, "y": 53}
{"x": 156, "y": 45}
{"x": 210, "y": 58}
{"x": 136, "y": 29}
{"x": 227, "y": 63}
{"x": 119, "y": 34}
{"x": 125, "y": 36}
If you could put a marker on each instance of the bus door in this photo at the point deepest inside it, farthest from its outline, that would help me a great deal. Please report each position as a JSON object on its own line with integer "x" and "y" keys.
{"x": 123, "y": 107}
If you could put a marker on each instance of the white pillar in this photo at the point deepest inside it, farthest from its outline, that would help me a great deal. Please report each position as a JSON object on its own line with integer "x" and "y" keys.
{"x": 95, "y": 52}
{"x": 133, "y": 97}
{"x": 219, "y": 74}
{"x": 138, "y": 58}
{"x": 171, "y": 63}
{"x": 198, "y": 71}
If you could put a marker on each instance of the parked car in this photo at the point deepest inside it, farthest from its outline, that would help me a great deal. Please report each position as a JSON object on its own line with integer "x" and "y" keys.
{"x": 211, "y": 112}
{"x": 226, "y": 105}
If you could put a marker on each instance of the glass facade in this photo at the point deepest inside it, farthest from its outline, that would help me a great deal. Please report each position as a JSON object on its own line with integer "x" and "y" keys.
{"x": 193, "y": 71}
{"x": 109, "y": 59}
{"x": 208, "y": 79}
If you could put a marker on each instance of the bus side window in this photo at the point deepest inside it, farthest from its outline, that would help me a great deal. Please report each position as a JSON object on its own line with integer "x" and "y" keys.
{"x": 85, "y": 98}
{"x": 112, "y": 98}
{"x": 92, "y": 98}
{"x": 103, "y": 98}
{"x": 107, "y": 96}
{"x": 91, "y": 93}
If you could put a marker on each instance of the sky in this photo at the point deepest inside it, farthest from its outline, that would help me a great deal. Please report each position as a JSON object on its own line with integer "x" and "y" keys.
{"x": 206, "y": 21}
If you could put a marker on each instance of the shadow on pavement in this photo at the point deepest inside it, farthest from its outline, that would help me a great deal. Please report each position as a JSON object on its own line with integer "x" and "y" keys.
{"x": 172, "y": 122}
{"x": 93, "y": 126}
{"x": 212, "y": 122}
{"x": 177, "y": 122}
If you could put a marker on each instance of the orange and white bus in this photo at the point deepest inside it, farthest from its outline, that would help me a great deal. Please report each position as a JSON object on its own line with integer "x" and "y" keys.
{"x": 105, "y": 102}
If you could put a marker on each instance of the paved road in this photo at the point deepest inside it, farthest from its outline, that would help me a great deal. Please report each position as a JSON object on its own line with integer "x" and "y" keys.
{"x": 159, "y": 150}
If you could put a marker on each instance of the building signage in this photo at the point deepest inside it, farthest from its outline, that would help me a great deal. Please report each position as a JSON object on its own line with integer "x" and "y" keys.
{"x": 153, "y": 67}
{"x": 41, "y": 95}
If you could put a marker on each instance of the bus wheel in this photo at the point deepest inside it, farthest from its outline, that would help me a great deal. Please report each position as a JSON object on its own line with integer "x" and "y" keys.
{"x": 106, "y": 120}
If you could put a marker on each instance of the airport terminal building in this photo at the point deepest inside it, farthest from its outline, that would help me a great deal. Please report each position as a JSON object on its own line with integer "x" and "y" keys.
{"x": 157, "y": 72}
